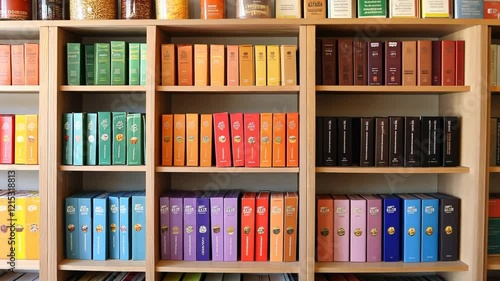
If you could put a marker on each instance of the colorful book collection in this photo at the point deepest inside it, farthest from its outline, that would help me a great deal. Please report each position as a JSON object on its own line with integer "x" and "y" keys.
{"x": 239, "y": 139}
{"x": 406, "y": 63}
{"x": 231, "y": 65}
{"x": 114, "y": 63}
{"x": 19, "y": 64}
{"x": 19, "y": 276}
{"x": 494, "y": 224}
{"x": 103, "y": 138}
{"x": 19, "y": 135}
{"x": 388, "y": 228}
{"x": 228, "y": 225}
{"x": 375, "y": 277}
{"x": 108, "y": 276}
{"x": 388, "y": 141}
{"x": 26, "y": 226}
{"x": 108, "y": 226}
{"x": 175, "y": 276}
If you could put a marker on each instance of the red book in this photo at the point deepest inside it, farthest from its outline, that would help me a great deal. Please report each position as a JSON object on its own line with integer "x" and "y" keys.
{"x": 460, "y": 63}
{"x": 222, "y": 140}
{"x": 262, "y": 226}
{"x": 494, "y": 206}
{"x": 448, "y": 57}
{"x": 360, "y": 63}
{"x": 375, "y": 63}
{"x": 345, "y": 62}
{"x": 237, "y": 138}
{"x": 7, "y": 131}
{"x": 324, "y": 228}
{"x": 248, "y": 226}
{"x": 436, "y": 63}
{"x": 252, "y": 139}
{"x": 329, "y": 61}
{"x": 393, "y": 63}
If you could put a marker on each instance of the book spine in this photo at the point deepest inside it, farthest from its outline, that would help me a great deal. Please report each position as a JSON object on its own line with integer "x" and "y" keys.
{"x": 260, "y": 65}
{"x": 192, "y": 139}
{"x": 237, "y": 141}
{"x": 290, "y": 228}
{"x": 231, "y": 227}
{"x": 79, "y": 143}
{"x": 72, "y": 228}
{"x": 279, "y": 140}
{"x": 411, "y": 230}
{"x": 143, "y": 65}
{"x": 86, "y": 227}
{"x": 329, "y": 61}
{"x": 18, "y": 64}
{"x": 217, "y": 65}
{"x": 114, "y": 227}
{"x": 165, "y": 228}
{"x": 292, "y": 137}
{"x": 468, "y": 9}
{"x": 324, "y": 230}
{"x": 139, "y": 227}
{"x": 102, "y": 66}
{"x": 413, "y": 149}
{"x": 392, "y": 231}
{"x": 32, "y": 60}
{"x": 360, "y": 63}
{"x": 290, "y": 9}
{"x": 345, "y": 141}
{"x": 288, "y": 65}
{"x": 91, "y": 139}
{"x": 430, "y": 229}
{"x": 374, "y": 230}
{"x": 185, "y": 65}
{"x": 89, "y": 64}
{"x": 409, "y": 50}
{"x": 375, "y": 63}
{"x": 319, "y": 141}
{"x": 367, "y": 142}
{"x": 134, "y": 64}
{"x": 222, "y": 140}
{"x": 460, "y": 63}
{"x": 67, "y": 141}
{"x": 403, "y": 8}
{"x": 262, "y": 227}
{"x": 358, "y": 230}
{"x": 449, "y": 218}
{"x": 276, "y": 227}
{"x": 203, "y": 236}
{"x": 451, "y": 127}
{"x": 104, "y": 141}
{"x": 32, "y": 139}
{"x": 125, "y": 224}
{"x": 424, "y": 63}
{"x": 206, "y": 140}
{"x": 266, "y": 137}
{"x": 345, "y": 50}
{"x": 341, "y": 9}
{"x": 436, "y": 63}
{"x": 21, "y": 137}
{"x": 448, "y": 58}
{"x": 119, "y": 143}
{"x": 393, "y": 63}
{"x": 100, "y": 220}
{"x": 381, "y": 142}
{"x": 168, "y": 66}
{"x": 247, "y": 227}
{"x": 315, "y": 9}
{"x": 177, "y": 229}
{"x": 179, "y": 154}
{"x": 372, "y": 9}
{"x": 341, "y": 228}
{"x": 247, "y": 66}
{"x": 396, "y": 141}
{"x": 7, "y": 134}
{"x": 233, "y": 65}
{"x": 190, "y": 228}
{"x": 201, "y": 65}
{"x": 252, "y": 137}
{"x": 74, "y": 64}
{"x": 118, "y": 63}
{"x": 217, "y": 230}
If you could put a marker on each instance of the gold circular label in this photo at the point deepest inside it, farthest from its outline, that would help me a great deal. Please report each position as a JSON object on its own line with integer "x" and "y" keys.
{"x": 189, "y": 229}
{"x": 113, "y": 227}
{"x": 448, "y": 230}
{"x": 374, "y": 232}
{"x": 391, "y": 230}
{"x": 289, "y": 230}
{"x": 429, "y": 231}
{"x": 324, "y": 232}
{"x": 341, "y": 232}
{"x": 412, "y": 231}
{"x": 278, "y": 140}
{"x": 175, "y": 230}
{"x": 260, "y": 230}
{"x": 164, "y": 228}
{"x": 216, "y": 228}
{"x": 276, "y": 230}
{"x": 137, "y": 227}
{"x": 358, "y": 232}
{"x": 230, "y": 230}
{"x": 247, "y": 230}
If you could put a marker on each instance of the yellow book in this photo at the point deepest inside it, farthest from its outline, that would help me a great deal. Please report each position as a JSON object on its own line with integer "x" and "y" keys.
{"x": 20, "y": 216}
{"x": 33, "y": 227}
{"x": 288, "y": 65}
{"x": 21, "y": 136}
{"x": 273, "y": 65}
{"x": 4, "y": 225}
{"x": 32, "y": 139}
{"x": 260, "y": 65}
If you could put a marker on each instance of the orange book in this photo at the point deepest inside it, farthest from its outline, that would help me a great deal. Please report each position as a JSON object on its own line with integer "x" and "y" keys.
{"x": 324, "y": 228}
{"x": 248, "y": 226}
{"x": 32, "y": 140}
{"x": 200, "y": 65}
{"x": 292, "y": 137}
{"x": 5, "y": 65}
{"x": 279, "y": 137}
{"x": 168, "y": 65}
{"x": 448, "y": 50}
{"x": 32, "y": 227}
{"x": 290, "y": 230}
{"x": 17, "y": 57}
{"x": 233, "y": 58}
{"x": 192, "y": 143}
{"x": 185, "y": 64}
{"x": 409, "y": 63}
{"x": 247, "y": 66}
{"x": 31, "y": 59}
{"x": 276, "y": 223}
{"x": 217, "y": 65}
{"x": 167, "y": 138}
{"x": 180, "y": 139}
{"x": 21, "y": 136}
{"x": 424, "y": 62}
{"x": 266, "y": 137}
{"x": 206, "y": 140}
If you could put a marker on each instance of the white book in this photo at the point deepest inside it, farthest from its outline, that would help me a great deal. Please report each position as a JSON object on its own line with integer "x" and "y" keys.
{"x": 288, "y": 9}
{"x": 402, "y": 9}
{"x": 341, "y": 9}
{"x": 435, "y": 9}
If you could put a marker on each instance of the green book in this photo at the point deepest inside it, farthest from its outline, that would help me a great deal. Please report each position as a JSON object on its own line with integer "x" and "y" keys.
{"x": 104, "y": 141}
{"x": 79, "y": 128}
{"x": 144, "y": 55}
{"x": 67, "y": 141}
{"x": 118, "y": 63}
{"x": 74, "y": 63}
{"x": 89, "y": 64}
{"x": 102, "y": 67}
{"x": 144, "y": 138}
{"x": 372, "y": 8}
{"x": 134, "y": 137}
{"x": 119, "y": 142}
{"x": 134, "y": 63}
{"x": 91, "y": 138}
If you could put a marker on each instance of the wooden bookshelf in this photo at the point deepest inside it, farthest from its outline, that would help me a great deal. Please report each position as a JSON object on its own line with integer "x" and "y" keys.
{"x": 21, "y": 265}
{"x": 493, "y": 262}
{"x": 493, "y": 169}
{"x": 19, "y": 89}
{"x": 107, "y": 265}
{"x": 226, "y": 170}
{"x": 391, "y": 267}
{"x": 230, "y": 89}
{"x": 19, "y": 167}
{"x": 410, "y": 90}
{"x": 393, "y": 170}
{"x": 228, "y": 267}
{"x": 99, "y": 89}
{"x": 102, "y": 168}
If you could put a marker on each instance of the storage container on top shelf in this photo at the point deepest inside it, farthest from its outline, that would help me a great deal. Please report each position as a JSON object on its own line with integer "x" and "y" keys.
{"x": 137, "y": 9}
{"x": 92, "y": 9}
{"x": 53, "y": 9}
{"x": 172, "y": 9}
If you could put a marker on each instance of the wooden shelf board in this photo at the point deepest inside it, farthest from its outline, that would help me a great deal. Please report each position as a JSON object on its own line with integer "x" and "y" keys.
{"x": 19, "y": 89}
{"x": 227, "y": 267}
{"x": 107, "y": 265}
{"x": 494, "y": 169}
{"x": 230, "y": 89}
{"x": 4, "y": 167}
{"x": 21, "y": 264}
{"x": 394, "y": 89}
{"x": 493, "y": 262}
{"x": 106, "y": 88}
{"x": 121, "y": 168}
{"x": 494, "y": 89}
{"x": 393, "y": 170}
{"x": 241, "y": 170}
{"x": 390, "y": 267}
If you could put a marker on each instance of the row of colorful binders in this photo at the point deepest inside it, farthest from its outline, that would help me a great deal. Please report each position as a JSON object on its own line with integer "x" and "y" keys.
{"x": 106, "y": 225}
{"x": 407, "y": 63}
{"x": 174, "y": 276}
{"x": 375, "y": 277}
{"x": 19, "y": 135}
{"x": 103, "y": 138}
{"x": 389, "y": 228}
{"x": 229, "y": 226}
{"x": 239, "y": 139}
{"x": 232, "y": 65}
{"x": 19, "y": 64}
{"x": 388, "y": 141}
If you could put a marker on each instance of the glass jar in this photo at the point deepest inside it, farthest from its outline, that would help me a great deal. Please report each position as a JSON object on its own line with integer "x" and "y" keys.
{"x": 172, "y": 9}
{"x": 15, "y": 9}
{"x": 92, "y": 9}
{"x": 52, "y": 10}
{"x": 137, "y": 9}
